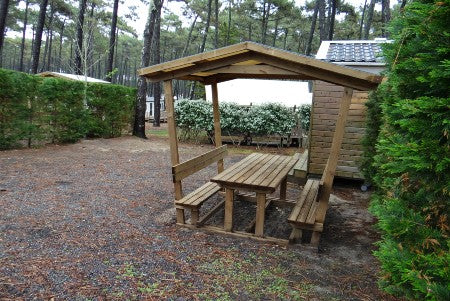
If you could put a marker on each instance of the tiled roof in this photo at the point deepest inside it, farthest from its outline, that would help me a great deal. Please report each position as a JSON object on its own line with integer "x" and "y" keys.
{"x": 354, "y": 52}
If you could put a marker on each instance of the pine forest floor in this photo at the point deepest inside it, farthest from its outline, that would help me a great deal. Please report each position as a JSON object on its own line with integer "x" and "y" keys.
{"x": 95, "y": 221}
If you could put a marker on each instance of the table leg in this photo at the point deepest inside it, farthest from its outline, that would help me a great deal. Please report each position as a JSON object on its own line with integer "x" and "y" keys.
{"x": 283, "y": 189}
{"x": 260, "y": 212}
{"x": 228, "y": 220}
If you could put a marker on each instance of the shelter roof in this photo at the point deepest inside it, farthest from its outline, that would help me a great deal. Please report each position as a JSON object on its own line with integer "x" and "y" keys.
{"x": 72, "y": 77}
{"x": 353, "y": 52}
{"x": 252, "y": 60}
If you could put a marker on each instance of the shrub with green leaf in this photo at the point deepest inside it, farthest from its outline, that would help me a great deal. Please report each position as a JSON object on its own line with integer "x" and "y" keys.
{"x": 411, "y": 168}
{"x": 194, "y": 117}
{"x": 35, "y": 110}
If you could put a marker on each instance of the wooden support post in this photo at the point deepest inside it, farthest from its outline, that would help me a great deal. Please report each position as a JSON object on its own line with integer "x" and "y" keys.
{"x": 330, "y": 168}
{"x": 296, "y": 235}
{"x": 173, "y": 141}
{"x": 217, "y": 130}
{"x": 260, "y": 212}
{"x": 194, "y": 216}
{"x": 283, "y": 189}
{"x": 228, "y": 220}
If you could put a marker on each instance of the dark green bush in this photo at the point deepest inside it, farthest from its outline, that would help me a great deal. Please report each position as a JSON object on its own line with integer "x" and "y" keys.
{"x": 35, "y": 110}
{"x": 411, "y": 167}
{"x": 110, "y": 109}
{"x": 16, "y": 98}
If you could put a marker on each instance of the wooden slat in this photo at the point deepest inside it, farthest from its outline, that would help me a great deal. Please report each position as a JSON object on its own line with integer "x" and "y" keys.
{"x": 308, "y": 203}
{"x": 295, "y": 212}
{"x": 182, "y": 170}
{"x": 198, "y": 196}
{"x": 229, "y": 172}
{"x": 210, "y": 213}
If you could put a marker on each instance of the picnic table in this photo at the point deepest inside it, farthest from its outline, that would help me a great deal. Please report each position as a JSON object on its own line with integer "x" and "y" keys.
{"x": 258, "y": 173}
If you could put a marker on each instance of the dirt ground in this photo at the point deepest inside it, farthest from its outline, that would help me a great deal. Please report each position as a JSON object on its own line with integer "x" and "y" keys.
{"x": 95, "y": 221}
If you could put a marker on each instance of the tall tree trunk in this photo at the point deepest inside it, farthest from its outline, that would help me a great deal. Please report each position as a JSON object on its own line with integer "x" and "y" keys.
{"x": 156, "y": 60}
{"x": 385, "y": 16}
{"x": 332, "y": 19}
{"x": 322, "y": 18}
{"x": 24, "y": 30}
{"x": 313, "y": 28}
{"x": 45, "y": 66}
{"x": 208, "y": 19}
{"x": 230, "y": 4}
{"x": 140, "y": 107}
{"x": 50, "y": 44}
{"x": 38, "y": 37}
{"x": 4, "y": 4}
{"x": 369, "y": 19}
{"x": 188, "y": 40}
{"x": 275, "y": 34}
{"x": 61, "y": 35}
{"x": 216, "y": 24}
{"x": 362, "y": 20}
{"x": 112, "y": 41}
{"x": 79, "y": 46}
{"x": 90, "y": 43}
{"x": 286, "y": 30}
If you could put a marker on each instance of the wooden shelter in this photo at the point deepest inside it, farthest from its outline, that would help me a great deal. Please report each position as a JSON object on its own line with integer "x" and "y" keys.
{"x": 251, "y": 60}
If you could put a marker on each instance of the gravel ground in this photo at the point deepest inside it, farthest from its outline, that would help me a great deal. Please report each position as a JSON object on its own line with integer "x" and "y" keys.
{"x": 95, "y": 221}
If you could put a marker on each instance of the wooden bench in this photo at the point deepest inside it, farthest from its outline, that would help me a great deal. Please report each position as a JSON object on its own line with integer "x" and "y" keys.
{"x": 299, "y": 172}
{"x": 194, "y": 200}
{"x": 304, "y": 214}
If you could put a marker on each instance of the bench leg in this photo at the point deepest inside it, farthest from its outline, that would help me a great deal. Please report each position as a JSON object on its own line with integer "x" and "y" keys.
{"x": 260, "y": 212}
{"x": 296, "y": 235}
{"x": 180, "y": 216}
{"x": 228, "y": 220}
{"x": 283, "y": 189}
{"x": 194, "y": 216}
{"x": 315, "y": 238}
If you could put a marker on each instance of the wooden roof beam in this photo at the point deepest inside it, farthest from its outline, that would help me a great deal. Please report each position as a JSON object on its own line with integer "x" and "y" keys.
{"x": 199, "y": 67}
{"x": 369, "y": 83}
{"x": 252, "y": 69}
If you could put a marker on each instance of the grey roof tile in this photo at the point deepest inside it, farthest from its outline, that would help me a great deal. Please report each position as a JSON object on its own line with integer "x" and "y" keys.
{"x": 354, "y": 52}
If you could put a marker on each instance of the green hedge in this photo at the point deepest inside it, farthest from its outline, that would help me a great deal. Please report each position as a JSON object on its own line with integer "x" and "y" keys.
{"x": 196, "y": 116}
{"x": 36, "y": 110}
{"x": 411, "y": 166}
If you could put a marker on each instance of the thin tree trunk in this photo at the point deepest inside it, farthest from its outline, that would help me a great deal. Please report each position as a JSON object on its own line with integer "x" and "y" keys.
{"x": 230, "y": 4}
{"x": 216, "y": 24}
{"x": 38, "y": 37}
{"x": 362, "y": 20}
{"x": 286, "y": 30}
{"x": 385, "y": 16}
{"x": 112, "y": 41}
{"x": 332, "y": 19}
{"x": 4, "y": 4}
{"x": 313, "y": 28}
{"x": 140, "y": 107}
{"x": 274, "y": 42}
{"x": 156, "y": 60}
{"x": 369, "y": 19}
{"x": 90, "y": 43}
{"x": 322, "y": 18}
{"x": 50, "y": 44}
{"x": 208, "y": 19}
{"x": 24, "y": 30}
{"x": 79, "y": 45}
{"x": 186, "y": 46}
{"x": 61, "y": 35}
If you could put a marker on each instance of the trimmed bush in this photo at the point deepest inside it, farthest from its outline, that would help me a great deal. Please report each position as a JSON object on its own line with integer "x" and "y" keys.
{"x": 35, "y": 110}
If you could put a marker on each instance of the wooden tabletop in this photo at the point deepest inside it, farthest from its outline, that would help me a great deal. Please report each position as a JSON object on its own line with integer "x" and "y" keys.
{"x": 257, "y": 172}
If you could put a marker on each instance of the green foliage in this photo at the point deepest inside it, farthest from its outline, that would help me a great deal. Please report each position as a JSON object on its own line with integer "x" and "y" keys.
{"x": 195, "y": 116}
{"x": 15, "y": 111}
{"x": 412, "y": 163}
{"x": 111, "y": 109}
{"x": 36, "y": 110}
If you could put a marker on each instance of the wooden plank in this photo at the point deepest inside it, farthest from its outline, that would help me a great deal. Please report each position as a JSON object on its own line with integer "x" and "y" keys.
{"x": 330, "y": 168}
{"x": 330, "y": 134}
{"x": 357, "y": 151}
{"x": 253, "y": 69}
{"x": 251, "y": 226}
{"x": 210, "y": 213}
{"x": 258, "y": 170}
{"x": 266, "y": 171}
{"x": 260, "y": 213}
{"x": 295, "y": 212}
{"x": 248, "y": 197}
{"x": 228, "y": 219}
{"x": 310, "y": 199}
{"x": 236, "y": 168}
{"x": 217, "y": 129}
{"x": 283, "y": 189}
{"x": 187, "y": 168}
{"x": 173, "y": 140}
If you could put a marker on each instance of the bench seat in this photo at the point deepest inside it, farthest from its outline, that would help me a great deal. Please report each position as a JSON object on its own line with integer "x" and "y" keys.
{"x": 196, "y": 198}
{"x": 303, "y": 215}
